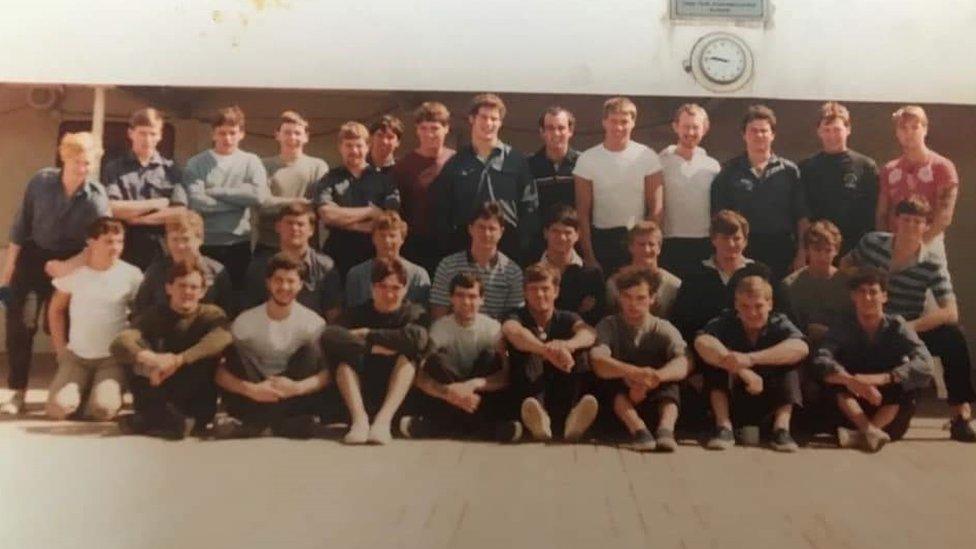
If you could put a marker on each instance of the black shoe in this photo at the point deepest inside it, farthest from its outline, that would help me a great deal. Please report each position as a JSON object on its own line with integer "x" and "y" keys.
{"x": 722, "y": 439}
{"x": 961, "y": 430}
{"x": 508, "y": 431}
{"x": 641, "y": 441}
{"x": 230, "y": 428}
{"x": 300, "y": 427}
{"x": 133, "y": 424}
{"x": 417, "y": 427}
{"x": 782, "y": 441}
{"x": 172, "y": 425}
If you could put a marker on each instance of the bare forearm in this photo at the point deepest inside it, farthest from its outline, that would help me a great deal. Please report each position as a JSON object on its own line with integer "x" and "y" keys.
{"x": 785, "y": 353}
{"x": 522, "y": 339}
{"x": 229, "y": 382}
{"x": 314, "y": 384}
{"x": 710, "y": 349}
{"x": 676, "y": 369}
{"x": 607, "y": 367}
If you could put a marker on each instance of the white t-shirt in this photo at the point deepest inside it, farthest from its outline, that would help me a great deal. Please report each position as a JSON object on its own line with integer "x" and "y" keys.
{"x": 687, "y": 192}
{"x": 268, "y": 344}
{"x": 618, "y": 182}
{"x": 465, "y": 343}
{"x": 99, "y": 307}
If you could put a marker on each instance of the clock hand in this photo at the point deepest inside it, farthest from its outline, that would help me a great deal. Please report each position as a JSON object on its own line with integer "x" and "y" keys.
{"x": 719, "y": 59}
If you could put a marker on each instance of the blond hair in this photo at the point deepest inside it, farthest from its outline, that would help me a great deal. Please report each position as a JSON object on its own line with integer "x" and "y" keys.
{"x": 78, "y": 144}
{"x": 353, "y": 130}
{"x": 909, "y": 113}
{"x": 619, "y": 105}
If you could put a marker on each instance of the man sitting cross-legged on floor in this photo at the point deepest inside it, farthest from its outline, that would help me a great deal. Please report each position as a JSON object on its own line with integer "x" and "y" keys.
{"x": 752, "y": 354}
{"x": 274, "y": 370}
{"x": 465, "y": 381}
{"x": 170, "y": 355}
{"x": 549, "y": 360}
{"x": 95, "y": 298}
{"x": 377, "y": 349}
{"x": 875, "y": 364}
{"x": 646, "y": 357}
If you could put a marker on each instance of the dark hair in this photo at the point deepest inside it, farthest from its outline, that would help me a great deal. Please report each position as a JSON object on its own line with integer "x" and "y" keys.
{"x": 554, "y": 111}
{"x": 146, "y": 117}
{"x": 915, "y": 204}
{"x": 297, "y": 209}
{"x": 282, "y": 262}
{"x": 489, "y": 210}
{"x": 432, "y": 111}
{"x": 823, "y": 232}
{"x": 489, "y": 100}
{"x": 387, "y": 122}
{"x": 628, "y": 277}
{"x": 228, "y": 116}
{"x": 467, "y": 281}
{"x": 759, "y": 112}
{"x": 384, "y": 267}
{"x": 728, "y": 222}
{"x": 105, "y": 225}
{"x": 540, "y": 272}
{"x": 184, "y": 268}
{"x": 867, "y": 276}
{"x": 644, "y": 227}
{"x": 563, "y": 214}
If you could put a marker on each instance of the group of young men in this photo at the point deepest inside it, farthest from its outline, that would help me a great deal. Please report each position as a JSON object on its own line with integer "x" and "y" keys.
{"x": 641, "y": 292}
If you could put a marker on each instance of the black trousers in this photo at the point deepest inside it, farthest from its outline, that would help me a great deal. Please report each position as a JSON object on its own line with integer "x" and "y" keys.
{"x": 235, "y": 258}
{"x": 448, "y": 420}
{"x": 781, "y": 386}
{"x": 775, "y": 250}
{"x": 422, "y": 250}
{"x": 610, "y": 248}
{"x": 22, "y": 322}
{"x": 890, "y": 394}
{"x": 682, "y": 256}
{"x": 556, "y": 390}
{"x": 301, "y": 366}
{"x": 949, "y": 344}
{"x": 190, "y": 392}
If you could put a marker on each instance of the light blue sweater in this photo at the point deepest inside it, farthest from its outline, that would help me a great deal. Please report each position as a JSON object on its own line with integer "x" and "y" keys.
{"x": 223, "y": 194}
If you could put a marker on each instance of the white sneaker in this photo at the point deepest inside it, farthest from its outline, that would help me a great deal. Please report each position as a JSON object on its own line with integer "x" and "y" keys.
{"x": 536, "y": 419}
{"x": 380, "y": 433}
{"x": 875, "y": 439}
{"x": 581, "y": 417}
{"x": 358, "y": 434}
{"x": 15, "y": 405}
{"x": 849, "y": 438}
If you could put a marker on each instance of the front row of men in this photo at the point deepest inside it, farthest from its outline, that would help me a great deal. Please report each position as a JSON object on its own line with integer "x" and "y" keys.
{"x": 540, "y": 368}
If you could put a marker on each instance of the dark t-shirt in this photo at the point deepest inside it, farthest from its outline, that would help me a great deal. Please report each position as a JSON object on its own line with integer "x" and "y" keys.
{"x": 366, "y": 316}
{"x": 560, "y": 327}
{"x": 728, "y": 329}
{"x": 843, "y": 189}
{"x": 413, "y": 176}
{"x": 577, "y": 284}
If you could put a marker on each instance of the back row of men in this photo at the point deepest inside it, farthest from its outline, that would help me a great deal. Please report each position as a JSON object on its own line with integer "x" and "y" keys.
{"x": 498, "y": 206}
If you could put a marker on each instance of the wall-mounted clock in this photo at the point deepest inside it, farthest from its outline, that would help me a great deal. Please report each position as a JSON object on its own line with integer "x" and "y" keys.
{"x": 721, "y": 62}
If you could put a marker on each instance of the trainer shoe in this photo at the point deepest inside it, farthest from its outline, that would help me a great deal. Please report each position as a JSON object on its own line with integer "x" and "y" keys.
{"x": 15, "y": 404}
{"x": 875, "y": 439}
{"x": 640, "y": 441}
{"x": 133, "y": 424}
{"x": 536, "y": 420}
{"x": 508, "y": 431}
{"x": 849, "y": 438}
{"x": 416, "y": 427}
{"x": 722, "y": 439}
{"x": 581, "y": 417}
{"x": 665, "y": 440}
{"x": 300, "y": 427}
{"x": 782, "y": 441}
{"x": 962, "y": 430}
{"x": 230, "y": 428}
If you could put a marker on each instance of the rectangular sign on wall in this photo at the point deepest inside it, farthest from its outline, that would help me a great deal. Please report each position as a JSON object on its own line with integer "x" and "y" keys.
{"x": 718, "y": 9}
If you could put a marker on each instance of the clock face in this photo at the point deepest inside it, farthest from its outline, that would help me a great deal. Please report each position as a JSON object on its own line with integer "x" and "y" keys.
{"x": 723, "y": 60}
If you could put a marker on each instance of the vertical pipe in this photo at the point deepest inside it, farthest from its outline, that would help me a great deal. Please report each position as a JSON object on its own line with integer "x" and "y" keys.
{"x": 98, "y": 124}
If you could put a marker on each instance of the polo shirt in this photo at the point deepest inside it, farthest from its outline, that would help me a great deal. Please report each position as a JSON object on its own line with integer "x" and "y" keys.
{"x": 728, "y": 329}
{"x": 618, "y": 182}
{"x": 502, "y": 279}
{"x": 321, "y": 283}
{"x": 843, "y": 189}
{"x": 554, "y": 180}
{"x": 561, "y": 327}
{"x": 467, "y": 182}
{"x": 895, "y": 348}
{"x": 359, "y": 283}
{"x": 907, "y": 287}
{"x": 125, "y": 178}
{"x": 900, "y": 179}
{"x": 55, "y": 222}
{"x": 687, "y": 188}
{"x": 772, "y": 202}
{"x": 653, "y": 344}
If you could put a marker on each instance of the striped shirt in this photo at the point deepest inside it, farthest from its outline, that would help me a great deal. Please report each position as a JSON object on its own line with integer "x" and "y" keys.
{"x": 502, "y": 279}
{"x": 907, "y": 287}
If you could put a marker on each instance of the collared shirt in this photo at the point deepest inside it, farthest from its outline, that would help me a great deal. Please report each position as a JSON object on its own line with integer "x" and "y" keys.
{"x": 842, "y": 188}
{"x": 359, "y": 284}
{"x": 554, "y": 180}
{"x": 386, "y": 167}
{"x": 152, "y": 292}
{"x": 728, "y": 329}
{"x": 895, "y": 348}
{"x": 321, "y": 285}
{"x": 342, "y": 188}
{"x": 125, "y": 178}
{"x": 467, "y": 182}
{"x": 618, "y": 182}
{"x": 900, "y": 179}
{"x": 574, "y": 259}
{"x": 53, "y": 221}
{"x": 906, "y": 287}
{"x": 687, "y": 187}
{"x": 502, "y": 279}
{"x": 773, "y": 202}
